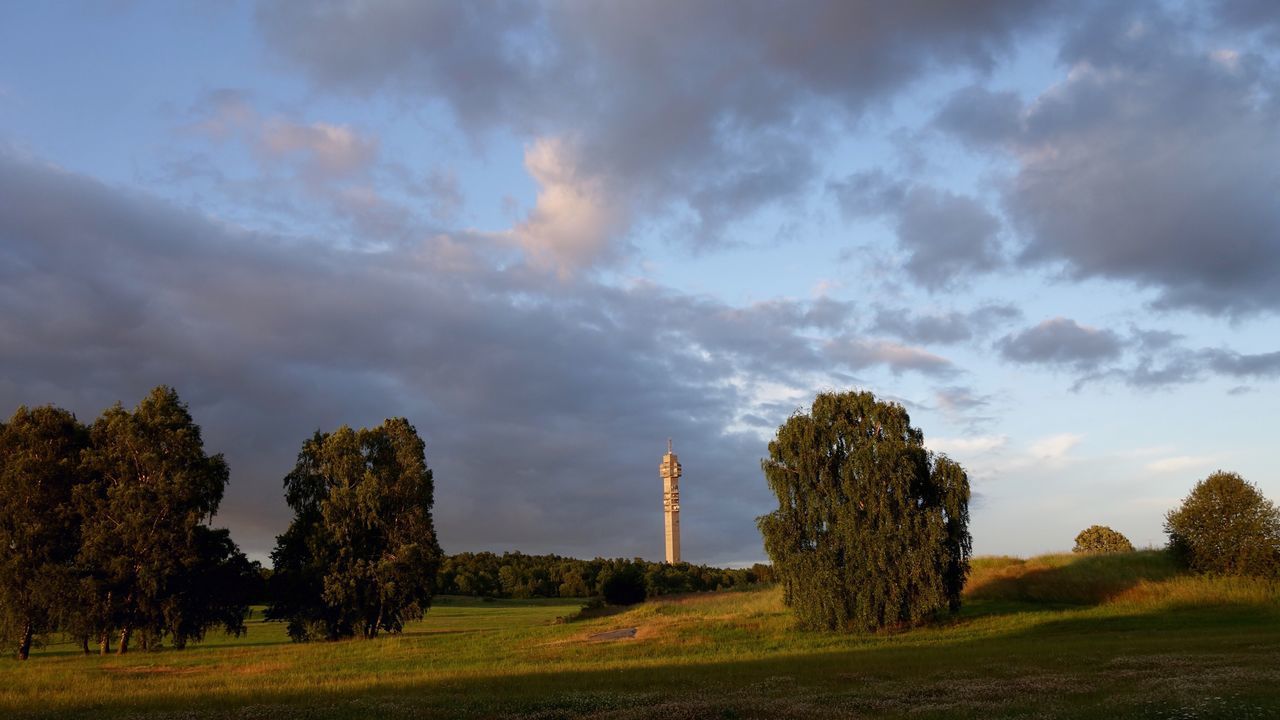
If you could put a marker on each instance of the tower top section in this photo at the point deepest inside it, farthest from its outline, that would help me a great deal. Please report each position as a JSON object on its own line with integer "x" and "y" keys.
{"x": 670, "y": 467}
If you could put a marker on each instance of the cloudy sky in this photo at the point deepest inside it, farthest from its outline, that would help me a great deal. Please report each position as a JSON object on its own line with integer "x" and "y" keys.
{"x": 553, "y": 235}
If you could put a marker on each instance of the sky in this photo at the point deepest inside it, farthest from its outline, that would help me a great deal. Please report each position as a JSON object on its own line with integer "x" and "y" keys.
{"x": 553, "y": 235}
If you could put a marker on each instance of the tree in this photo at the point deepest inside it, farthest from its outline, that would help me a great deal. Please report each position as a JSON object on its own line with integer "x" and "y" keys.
{"x": 1226, "y": 526}
{"x": 40, "y": 457}
{"x": 872, "y": 528}
{"x": 361, "y": 554}
{"x": 1101, "y": 540}
{"x": 623, "y": 584}
{"x": 147, "y": 551}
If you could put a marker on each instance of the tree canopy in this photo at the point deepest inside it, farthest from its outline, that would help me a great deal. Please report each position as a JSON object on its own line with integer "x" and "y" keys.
{"x": 107, "y": 528}
{"x": 40, "y": 452}
{"x": 145, "y": 540}
{"x": 1226, "y": 525}
{"x": 1101, "y": 540}
{"x": 871, "y": 530}
{"x": 361, "y": 554}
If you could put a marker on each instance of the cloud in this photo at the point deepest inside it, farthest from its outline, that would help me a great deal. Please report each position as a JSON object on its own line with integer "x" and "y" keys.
{"x": 1153, "y": 163}
{"x": 860, "y": 353}
{"x": 942, "y": 328}
{"x": 1054, "y": 447}
{"x": 1234, "y": 364}
{"x": 310, "y": 175}
{"x": 956, "y": 400}
{"x": 1248, "y": 16}
{"x": 1063, "y": 342}
{"x": 574, "y": 218}
{"x": 980, "y": 117}
{"x": 322, "y": 151}
{"x": 327, "y": 151}
{"x": 543, "y": 404}
{"x": 701, "y": 111}
{"x": 1180, "y": 463}
{"x": 959, "y": 447}
{"x": 948, "y": 239}
{"x": 1163, "y": 360}
{"x": 869, "y": 193}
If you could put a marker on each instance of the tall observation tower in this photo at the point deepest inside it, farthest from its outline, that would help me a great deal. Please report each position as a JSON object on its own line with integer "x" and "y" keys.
{"x": 669, "y": 470}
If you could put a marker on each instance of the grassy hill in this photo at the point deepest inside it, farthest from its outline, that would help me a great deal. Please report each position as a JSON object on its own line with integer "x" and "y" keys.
{"x": 1054, "y": 636}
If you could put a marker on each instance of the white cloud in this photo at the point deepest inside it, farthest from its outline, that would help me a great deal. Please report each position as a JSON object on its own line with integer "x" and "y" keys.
{"x": 1055, "y": 447}
{"x": 1179, "y": 463}
{"x": 574, "y": 218}
{"x": 969, "y": 445}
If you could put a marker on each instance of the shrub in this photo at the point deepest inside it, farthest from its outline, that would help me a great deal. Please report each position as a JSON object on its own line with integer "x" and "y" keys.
{"x": 1226, "y": 526}
{"x": 1101, "y": 540}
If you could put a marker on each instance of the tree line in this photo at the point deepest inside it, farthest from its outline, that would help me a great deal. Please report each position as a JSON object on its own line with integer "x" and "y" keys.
{"x": 517, "y": 575}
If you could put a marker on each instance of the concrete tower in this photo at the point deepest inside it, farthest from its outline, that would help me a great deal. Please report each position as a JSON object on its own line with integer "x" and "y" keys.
{"x": 670, "y": 472}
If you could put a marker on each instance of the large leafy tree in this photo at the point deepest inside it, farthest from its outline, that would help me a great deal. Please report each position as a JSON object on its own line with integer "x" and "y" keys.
{"x": 1226, "y": 526}
{"x": 361, "y": 554}
{"x": 871, "y": 529}
{"x": 40, "y": 467}
{"x": 152, "y": 563}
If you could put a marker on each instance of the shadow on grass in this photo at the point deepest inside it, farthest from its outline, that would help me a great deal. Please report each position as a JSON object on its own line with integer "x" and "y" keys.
{"x": 1074, "y": 667}
{"x": 1073, "y": 581}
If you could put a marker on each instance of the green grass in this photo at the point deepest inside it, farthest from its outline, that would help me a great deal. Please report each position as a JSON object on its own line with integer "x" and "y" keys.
{"x": 1057, "y": 636}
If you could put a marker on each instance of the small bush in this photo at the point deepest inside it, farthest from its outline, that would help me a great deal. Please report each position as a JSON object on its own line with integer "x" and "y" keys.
{"x": 1226, "y": 526}
{"x": 624, "y": 586}
{"x": 1101, "y": 540}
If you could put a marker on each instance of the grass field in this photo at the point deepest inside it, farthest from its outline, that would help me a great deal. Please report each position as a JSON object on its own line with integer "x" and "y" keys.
{"x": 1056, "y": 636}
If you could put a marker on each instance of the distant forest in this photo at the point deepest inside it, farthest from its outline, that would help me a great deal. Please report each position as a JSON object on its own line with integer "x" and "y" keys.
{"x": 516, "y": 575}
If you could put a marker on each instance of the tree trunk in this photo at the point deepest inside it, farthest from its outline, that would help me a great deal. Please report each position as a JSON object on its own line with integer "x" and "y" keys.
{"x": 124, "y": 640}
{"x": 145, "y": 641}
{"x": 104, "y": 643}
{"x": 24, "y": 646}
{"x": 84, "y": 644}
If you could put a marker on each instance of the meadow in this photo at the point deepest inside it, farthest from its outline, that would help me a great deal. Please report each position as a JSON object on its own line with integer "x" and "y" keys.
{"x": 1055, "y": 636}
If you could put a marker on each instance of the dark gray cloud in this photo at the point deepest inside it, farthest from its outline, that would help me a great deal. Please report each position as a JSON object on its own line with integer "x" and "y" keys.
{"x": 710, "y": 108}
{"x": 948, "y": 238}
{"x": 1177, "y": 365}
{"x": 1249, "y": 16}
{"x": 942, "y": 328}
{"x": 544, "y": 403}
{"x": 859, "y": 353}
{"x": 1062, "y": 342}
{"x": 1143, "y": 358}
{"x": 1156, "y": 162}
{"x": 958, "y": 399}
{"x": 1243, "y": 365}
{"x": 980, "y": 117}
{"x": 870, "y": 193}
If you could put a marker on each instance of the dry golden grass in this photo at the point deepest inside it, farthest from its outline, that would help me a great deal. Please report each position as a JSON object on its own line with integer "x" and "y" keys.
{"x": 1057, "y": 636}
